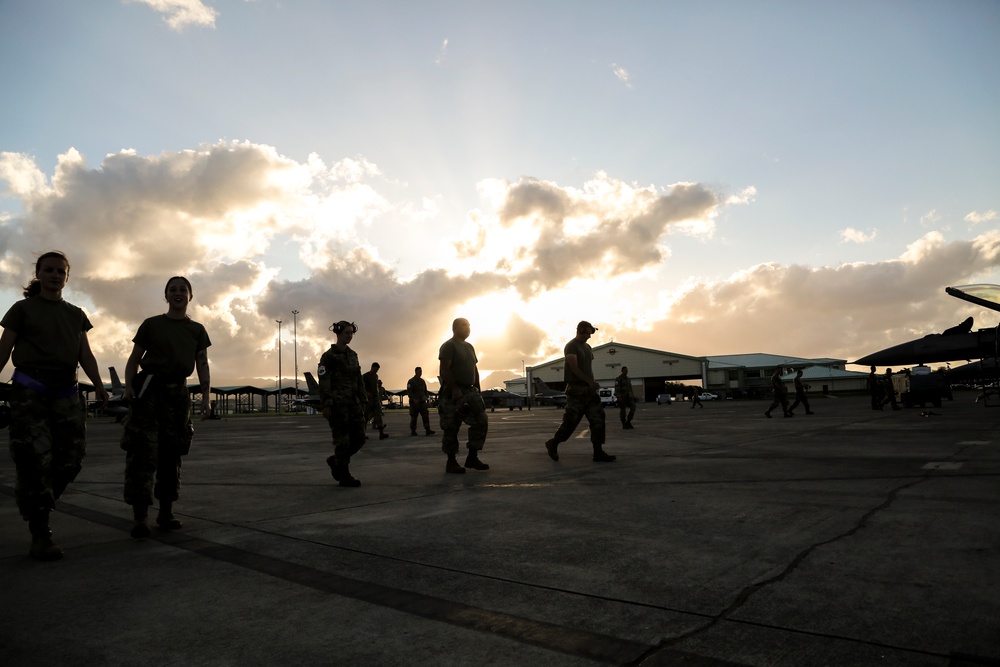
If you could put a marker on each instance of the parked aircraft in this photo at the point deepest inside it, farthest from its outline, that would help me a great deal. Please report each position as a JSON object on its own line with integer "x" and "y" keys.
{"x": 953, "y": 344}
{"x": 546, "y": 395}
{"x": 313, "y": 400}
{"x": 117, "y": 407}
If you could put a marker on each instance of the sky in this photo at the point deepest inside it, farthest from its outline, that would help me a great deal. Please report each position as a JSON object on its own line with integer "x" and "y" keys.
{"x": 713, "y": 177}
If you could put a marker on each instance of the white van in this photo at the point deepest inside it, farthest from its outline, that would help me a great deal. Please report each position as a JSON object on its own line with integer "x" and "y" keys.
{"x": 607, "y": 395}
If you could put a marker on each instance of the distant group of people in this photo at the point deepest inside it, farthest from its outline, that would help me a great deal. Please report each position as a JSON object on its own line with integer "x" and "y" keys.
{"x": 780, "y": 394}
{"x": 46, "y": 338}
{"x": 343, "y": 395}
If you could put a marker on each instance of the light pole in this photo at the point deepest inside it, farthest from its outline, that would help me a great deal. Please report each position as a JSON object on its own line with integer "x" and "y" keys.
{"x": 295, "y": 347}
{"x": 279, "y": 366}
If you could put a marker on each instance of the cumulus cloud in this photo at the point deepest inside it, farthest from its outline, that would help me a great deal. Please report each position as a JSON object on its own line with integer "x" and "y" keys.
{"x": 843, "y": 311}
{"x": 852, "y": 235}
{"x": 180, "y": 13}
{"x": 545, "y": 235}
{"x": 976, "y": 217}
{"x": 219, "y": 213}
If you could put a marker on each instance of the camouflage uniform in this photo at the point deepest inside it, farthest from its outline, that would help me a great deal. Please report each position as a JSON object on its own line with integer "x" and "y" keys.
{"x": 416, "y": 393}
{"x": 341, "y": 390}
{"x": 47, "y": 444}
{"x": 373, "y": 399}
{"x": 158, "y": 432}
{"x": 158, "y": 428}
{"x": 470, "y": 408}
{"x": 48, "y": 415}
{"x": 581, "y": 400}
{"x": 626, "y": 398}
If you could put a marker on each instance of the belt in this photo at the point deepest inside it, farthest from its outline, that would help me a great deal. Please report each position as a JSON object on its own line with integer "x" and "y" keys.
{"x": 34, "y": 385}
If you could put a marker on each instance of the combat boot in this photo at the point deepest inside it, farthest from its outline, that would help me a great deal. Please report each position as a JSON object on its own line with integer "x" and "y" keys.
{"x": 346, "y": 478}
{"x": 42, "y": 547}
{"x": 382, "y": 435}
{"x": 453, "y": 466}
{"x": 601, "y": 456}
{"x": 472, "y": 461}
{"x": 140, "y": 529}
{"x": 552, "y": 447}
{"x": 165, "y": 517}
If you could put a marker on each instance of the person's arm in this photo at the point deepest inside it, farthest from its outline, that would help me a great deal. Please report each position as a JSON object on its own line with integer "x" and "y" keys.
{"x": 7, "y": 341}
{"x": 448, "y": 379}
{"x": 131, "y": 369}
{"x": 88, "y": 362}
{"x": 205, "y": 382}
{"x": 477, "y": 379}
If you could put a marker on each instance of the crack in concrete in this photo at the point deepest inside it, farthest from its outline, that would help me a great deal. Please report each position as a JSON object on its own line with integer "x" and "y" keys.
{"x": 744, "y": 595}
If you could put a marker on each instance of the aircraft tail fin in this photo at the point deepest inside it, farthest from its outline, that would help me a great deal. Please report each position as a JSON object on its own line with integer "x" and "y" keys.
{"x": 311, "y": 383}
{"x": 117, "y": 388}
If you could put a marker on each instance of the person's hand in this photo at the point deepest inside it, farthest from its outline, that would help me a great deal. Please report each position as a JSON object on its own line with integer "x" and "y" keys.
{"x": 327, "y": 413}
{"x": 206, "y": 408}
{"x": 102, "y": 395}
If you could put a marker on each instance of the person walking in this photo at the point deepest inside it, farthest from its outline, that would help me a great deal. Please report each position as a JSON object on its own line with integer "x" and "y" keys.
{"x": 416, "y": 394}
{"x": 158, "y": 429}
{"x": 459, "y": 399}
{"x": 625, "y": 397}
{"x": 342, "y": 399}
{"x": 800, "y": 394}
{"x": 582, "y": 399}
{"x": 889, "y": 391}
{"x": 46, "y": 337}
{"x": 373, "y": 391}
{"x": 780, "y": 395}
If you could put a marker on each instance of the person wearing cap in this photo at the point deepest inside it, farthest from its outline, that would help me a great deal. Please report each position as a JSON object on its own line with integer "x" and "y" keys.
{"x": 342, "y": 399}
{"x": 582, "y": 399}
{"x": 459, "y": 399}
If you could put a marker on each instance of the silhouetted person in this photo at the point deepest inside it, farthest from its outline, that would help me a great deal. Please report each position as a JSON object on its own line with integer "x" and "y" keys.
{"x": 582, "y": 399}
{"x": 373, "y": 390}
{"x": 696, "y": 401}
{"x": 875, "y": 389}
{"x": 416, "y": 393}
{"x": 459, "y": 399}
{"x": 800, "y": 394}
{"x": 890, "y": 391}
{"x": 780, "y": 395}
{"x": 625, "y": 397}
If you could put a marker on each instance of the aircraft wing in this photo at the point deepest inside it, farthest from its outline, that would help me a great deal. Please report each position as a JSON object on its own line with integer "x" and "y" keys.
{"x": 985, "y": 295}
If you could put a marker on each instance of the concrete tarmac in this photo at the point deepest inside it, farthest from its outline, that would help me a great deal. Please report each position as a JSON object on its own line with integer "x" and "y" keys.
{"x": 718, "y": 537}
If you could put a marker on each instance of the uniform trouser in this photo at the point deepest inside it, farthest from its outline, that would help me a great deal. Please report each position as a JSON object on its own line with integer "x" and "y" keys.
{"x": 424, "y": 414}
{"x": 473, "y": 413}
{"x": 630, "y": 405}
{"x": 158, "y": 432}
{"x": 48, "y": 441}
{"x": 779, "y": 399}
{"x": 876, "y": 400}
{"x": 582, "y": 401}
{"x": 347, "y": 425}
{"x": 800, "y": 397}
{"x": 375, "y": 414}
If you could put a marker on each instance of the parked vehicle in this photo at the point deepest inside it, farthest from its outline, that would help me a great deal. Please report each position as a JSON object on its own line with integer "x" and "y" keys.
{"x": 607, "y": 395}
{"x": 707, "y": 396}
{"x": 664, "y": 398}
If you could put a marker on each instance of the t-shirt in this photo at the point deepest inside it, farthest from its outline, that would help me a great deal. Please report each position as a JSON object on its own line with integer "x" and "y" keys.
{"x": 416, "y": 390}
{"x": 462, "y": 357}
{"x": 170, "y": 346}
{"x": 584, "y": 361}
{"x": 49, "y": 334}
